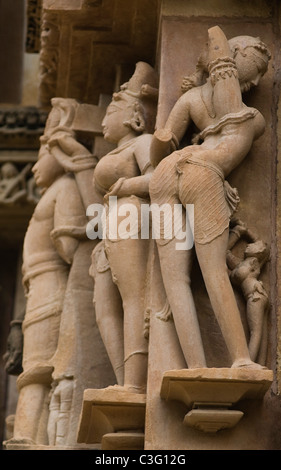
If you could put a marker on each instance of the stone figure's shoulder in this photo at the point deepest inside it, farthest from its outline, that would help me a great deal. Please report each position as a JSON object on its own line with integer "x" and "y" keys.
{"x": 144, "y": 139}
{"x": 66, "y": 182}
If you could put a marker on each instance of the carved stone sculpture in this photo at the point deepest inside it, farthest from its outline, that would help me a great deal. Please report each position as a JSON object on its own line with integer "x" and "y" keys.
{"x": 120, "y": 267}
{"x": 244, "y": 274}
{"x": 120, "y": 297}
{"x": 45, "y": 271}
{"x": 59, "y": 317}
{"x": 196, "y": 175}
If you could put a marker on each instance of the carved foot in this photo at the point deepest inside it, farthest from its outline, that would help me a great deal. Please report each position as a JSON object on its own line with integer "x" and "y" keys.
{"x": 127, "y": 388}
{"x": 19, "y": 444}
{"x": 23, "y": 441}
{"x": 247, "y": 365}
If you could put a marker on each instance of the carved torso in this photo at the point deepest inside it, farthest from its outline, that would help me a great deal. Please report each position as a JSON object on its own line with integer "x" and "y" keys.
{"x": 38, "y": 246}
{"x": 123, "y": 162}
{"x": 59, "y": 206}
{"x": 117, "y": 164}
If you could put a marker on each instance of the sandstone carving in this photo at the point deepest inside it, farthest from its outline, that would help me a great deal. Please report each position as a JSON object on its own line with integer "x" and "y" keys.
{"x": 48, "y": 58}
{"x": 16, "y": 186}
{"x": 34, "y": 8}
{"x": 197, "y": 175}
{"x": 120, "y": 263}
{"x": 88, "y": 302}
{"x": 244, "y": 273}
{"x": 45, "y": 272}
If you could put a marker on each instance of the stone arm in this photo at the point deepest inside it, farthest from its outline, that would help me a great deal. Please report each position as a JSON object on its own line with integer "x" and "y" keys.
{"x": 237, "y": 231}
{"x": 13, "y": 356}
{"x": 76, "y": 158}
{"x": 232, "y": 261}
{"x": 69, "y": 220}
{"x": 166, "y": 140}
{"x": 66, "y": 149}
{"x": 227, "y": 97}
{"x": 138, "y": 185}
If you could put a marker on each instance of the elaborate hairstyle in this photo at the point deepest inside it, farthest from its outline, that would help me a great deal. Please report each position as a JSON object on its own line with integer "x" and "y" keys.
{"x": 241, "y": 43}
{"x": 61, "y": 115}
{"x": 141, "y": 93}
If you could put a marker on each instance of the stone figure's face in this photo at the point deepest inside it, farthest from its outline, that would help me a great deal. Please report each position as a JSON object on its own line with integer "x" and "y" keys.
{"x": 251, "y": 67}
{"x": 46, "y": 170}
{"x": 118, "y": 113}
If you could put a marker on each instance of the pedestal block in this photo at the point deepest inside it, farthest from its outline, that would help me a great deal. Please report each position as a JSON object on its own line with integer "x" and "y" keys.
{"x": 17, "y": 444}
{"x": 210, "y": 394}
{"x": 113, "y": 418}
{"x": 123, "y": 441}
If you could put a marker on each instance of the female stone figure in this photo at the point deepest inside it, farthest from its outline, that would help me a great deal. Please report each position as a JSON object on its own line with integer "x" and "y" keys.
{"x": 196, "y": 175}
{"x": 125, "y": 173}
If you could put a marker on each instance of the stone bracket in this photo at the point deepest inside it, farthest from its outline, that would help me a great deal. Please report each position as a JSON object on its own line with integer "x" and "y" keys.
{"x": 209, "y": 393}
{"x": 113, "y": 418}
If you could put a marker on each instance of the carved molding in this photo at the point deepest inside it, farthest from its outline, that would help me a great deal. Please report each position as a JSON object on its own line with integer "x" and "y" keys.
{"x": 17, "y": 185}
{"x": 83, "y": 41}
{"x": 49, "y": 54}
{"x": 34, "y": 10}
{"x": 21, "y": 127}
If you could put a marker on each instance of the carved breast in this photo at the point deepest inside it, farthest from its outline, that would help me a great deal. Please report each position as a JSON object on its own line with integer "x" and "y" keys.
{"x": 120, "y": 163}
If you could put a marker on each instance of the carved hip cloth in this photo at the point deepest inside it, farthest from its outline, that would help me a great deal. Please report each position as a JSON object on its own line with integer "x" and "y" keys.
{"x": 42, "y": 317}
{"x": 184, "y": 178}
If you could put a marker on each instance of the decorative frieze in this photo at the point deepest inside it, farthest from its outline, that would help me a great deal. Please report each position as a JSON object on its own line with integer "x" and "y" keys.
{"x": 21, "y": 127}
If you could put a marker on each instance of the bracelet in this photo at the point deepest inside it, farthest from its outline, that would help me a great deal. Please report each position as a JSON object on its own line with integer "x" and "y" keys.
{"x": 15, "y": 322}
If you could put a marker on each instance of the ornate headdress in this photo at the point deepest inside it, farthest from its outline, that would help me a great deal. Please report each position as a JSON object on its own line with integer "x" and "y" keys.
{"x": 141, "y": 91}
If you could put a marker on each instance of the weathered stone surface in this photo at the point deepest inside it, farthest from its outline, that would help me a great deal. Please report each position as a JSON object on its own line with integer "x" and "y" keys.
{"x": 139, "y": 323}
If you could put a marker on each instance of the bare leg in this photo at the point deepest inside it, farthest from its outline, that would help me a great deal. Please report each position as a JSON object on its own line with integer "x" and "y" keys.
{"x": 54, "y": 409}
{"x": 212, "y": 260}
{"x": 175, "y": 268}
{"x": 65, "y": 391}
{"x": 256, "y": 310}
{"x": 109, "y": 317}
{"x": 128, "y": 262}
{"x": 28, "y": 417}
{"x": 176, "y": 264}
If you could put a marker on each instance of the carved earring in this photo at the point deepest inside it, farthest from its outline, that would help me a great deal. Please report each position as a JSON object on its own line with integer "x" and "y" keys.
{"x": 137, "y": 122}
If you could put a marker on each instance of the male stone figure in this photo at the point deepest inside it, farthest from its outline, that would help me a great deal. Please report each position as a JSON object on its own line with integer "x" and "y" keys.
{"x": 49, "y": 247}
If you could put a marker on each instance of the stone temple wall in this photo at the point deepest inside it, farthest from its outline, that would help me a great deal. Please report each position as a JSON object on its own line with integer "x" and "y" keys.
{"x": 85, "y": 50}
